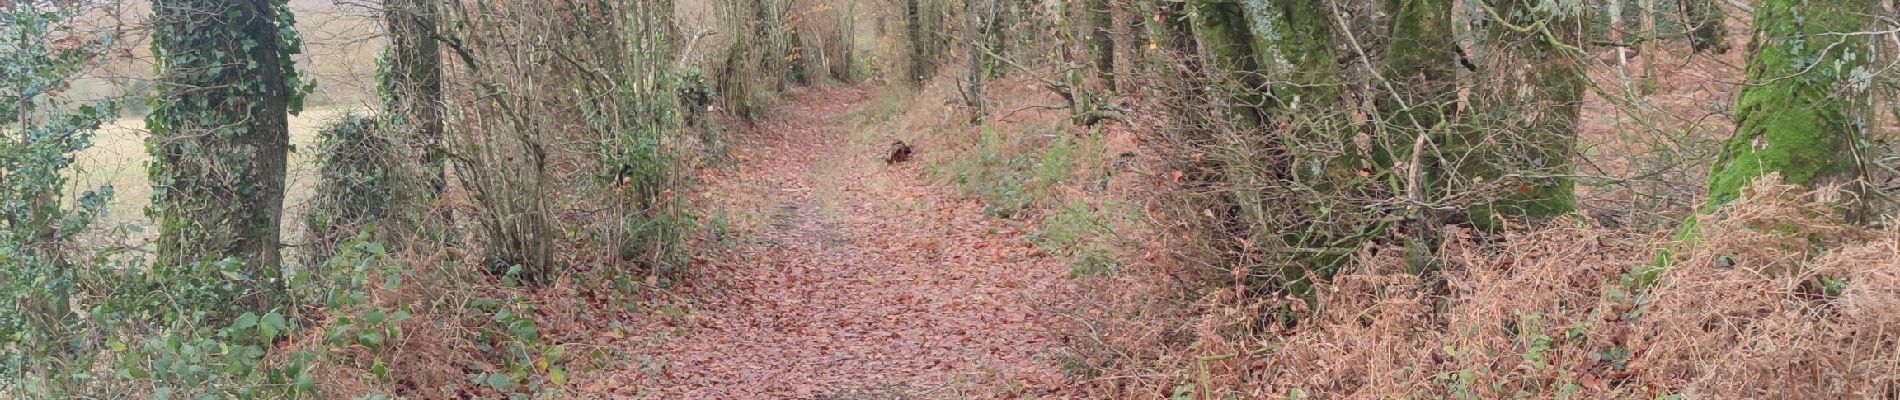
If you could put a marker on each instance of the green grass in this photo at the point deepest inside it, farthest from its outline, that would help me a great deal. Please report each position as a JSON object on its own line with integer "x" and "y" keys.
{"x": 1029, "y": 173}
{"x": 1012, "y": 174}
{"x": 1084, "y": 231}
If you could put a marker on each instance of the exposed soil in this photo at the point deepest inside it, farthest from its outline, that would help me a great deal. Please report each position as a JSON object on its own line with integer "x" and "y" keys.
{"x": 859, "y": 280}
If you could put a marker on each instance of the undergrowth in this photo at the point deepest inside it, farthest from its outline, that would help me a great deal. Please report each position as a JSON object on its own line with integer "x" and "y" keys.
{"x": 1759, "y": 308}
{"x": 1038, "y": 170}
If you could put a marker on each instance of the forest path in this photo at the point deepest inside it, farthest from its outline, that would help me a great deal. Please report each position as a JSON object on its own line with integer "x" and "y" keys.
{"x": 836, "y": 276}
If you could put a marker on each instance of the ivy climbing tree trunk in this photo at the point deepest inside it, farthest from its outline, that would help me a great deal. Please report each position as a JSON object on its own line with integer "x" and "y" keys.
{"x": 1531, "y": 94}
{"x": 1792, "y": 117}
{"x": 220, "y": 137}
{"x": 414, "y": 82}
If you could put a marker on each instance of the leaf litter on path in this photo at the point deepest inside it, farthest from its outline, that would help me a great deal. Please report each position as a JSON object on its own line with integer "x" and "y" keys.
{"x": 868, "y": 282}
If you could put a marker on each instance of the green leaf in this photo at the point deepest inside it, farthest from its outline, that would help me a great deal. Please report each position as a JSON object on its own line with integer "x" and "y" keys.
{"x": 246, "y": 321}
{"x": 305, "y": 383}
{"x": 501, "y": 381}
{"x": 558, "y": 376}
{"x": 272, "y": 324}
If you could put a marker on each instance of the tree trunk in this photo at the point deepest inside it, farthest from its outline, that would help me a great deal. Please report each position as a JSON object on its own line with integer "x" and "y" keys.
{"x": 1532, "y": 92}
{"x": 1313, "y": 102}
{"x": 975, "y": 37}
{"x": 414, "y": 87}
{"x": 1648, "y": 48}
{"x": 1100, "y": 26}
{"x": 1128, "y": 43}
{"x": 220, "y": 136}
{"x": 913, "y": 26}
{"x": 1420, "y": 65}
{"x": 1418, "y": 108}
{"x": 1791, "y": 117}
{"x": 1221, "y": 30}
{"x": 1708, "y": 28}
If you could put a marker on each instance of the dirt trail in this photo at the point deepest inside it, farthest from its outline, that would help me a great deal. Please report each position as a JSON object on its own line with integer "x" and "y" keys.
{"x": 861, "y": 280}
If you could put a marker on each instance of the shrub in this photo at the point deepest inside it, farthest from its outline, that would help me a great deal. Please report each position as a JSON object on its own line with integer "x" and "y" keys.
{"x": 360, "y": 179}
{"x": 39, "y": 257}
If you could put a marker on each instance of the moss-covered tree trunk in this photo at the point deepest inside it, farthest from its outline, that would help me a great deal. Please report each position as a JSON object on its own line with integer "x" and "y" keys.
{"x": 1164, "y": 29}
{"x": 414, "y": 82}
{"x": 1707, "y": 24}
{"x": 1793, "y": 117}
{"x": 1527, "y": 105}
{"x": 1420, "y": 69}
{"x": 1417, "y": 107}
{"x": 219, "y": 137}
{"x": 1307, "y": 40}
{"x": 1313, "y": 103}
{"x": 1226, "y": 41}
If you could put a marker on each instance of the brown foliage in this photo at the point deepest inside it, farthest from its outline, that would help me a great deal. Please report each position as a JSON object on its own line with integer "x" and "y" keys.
{"x": 1779, "y": 300}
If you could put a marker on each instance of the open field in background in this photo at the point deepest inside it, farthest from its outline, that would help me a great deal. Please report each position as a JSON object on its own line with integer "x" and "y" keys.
{"x": 341, "y": 46}
{"x": 117, "y": 159}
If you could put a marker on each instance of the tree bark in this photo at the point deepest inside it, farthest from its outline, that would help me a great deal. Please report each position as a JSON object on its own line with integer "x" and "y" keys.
{"x": 415, "y": 82}
{"x": 1100, "y": 26}
{"x": 1221, "y": 30}
{"x": 1791, "y": 118}
{"x": 1708, "y": 28}
{"x": 220, "y": 137}
{"x": 1420, "y": 67}
{"x": 1532, "y": 93}
{"x": 975, "y": 37}
{"x": 1313, "y": 103}
{"x": 1417, "y": 107}
{"x": 913, "y": 26}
